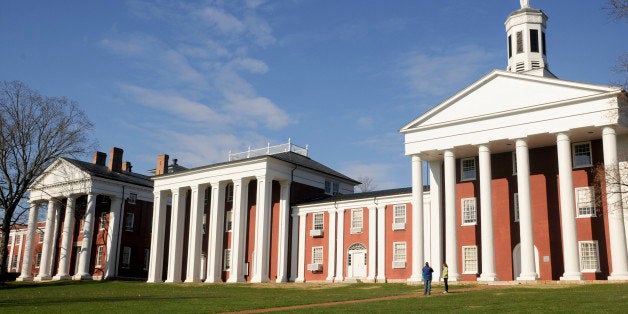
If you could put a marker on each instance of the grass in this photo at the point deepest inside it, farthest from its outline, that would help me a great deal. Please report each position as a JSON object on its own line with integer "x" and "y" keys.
{"x": 72, "y": 296}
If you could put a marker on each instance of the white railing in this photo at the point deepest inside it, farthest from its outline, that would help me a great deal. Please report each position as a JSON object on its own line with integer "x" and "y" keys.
{"x": 269, "y": 150}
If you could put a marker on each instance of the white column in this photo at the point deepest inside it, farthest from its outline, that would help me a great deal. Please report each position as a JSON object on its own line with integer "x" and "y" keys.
{"x": 175, "y": 246}
{"x": 155, "y": 267}
{"x": 301, "y": 261}
{"x": 372, "y": 247}
{"x": 294, "y": 249}
{"x": 56, "y": 232}
{"x": 486, "y": 216}
{"x": 66, "y": 240}
{"x": 331, "y": 246}
{"x": 46, "y": 250}
{"x": 381, "y": 243}
{"x": 113, "y": 234}
{"x": 26, "y": 274}
{"x": 616, "y": 227}
{"x": 436, "y": 215}
{"x": 284, "y": 212}
{"x": 88, "y": 233}
{"x": 195, "y": 235}
{"x": 340, "y": 246}
{"x": 451, "y": 225}
{"x": 571, "y": 260}
{"x": 238, "y": 243}
{"x": 216, "y": 232}
{"x": 262, "y": 230}
{"x": 417, "y": 219}
{"x": 528, "y": 270}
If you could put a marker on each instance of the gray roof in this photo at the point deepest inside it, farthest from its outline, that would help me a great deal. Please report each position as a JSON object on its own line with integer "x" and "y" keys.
{"x": 290, "y": 157}
{"x": 104, "y": 172}
{"x": 364, "y": 195}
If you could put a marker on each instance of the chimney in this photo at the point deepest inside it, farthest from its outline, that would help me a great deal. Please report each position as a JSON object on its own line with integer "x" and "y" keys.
{"x": 162, "y": 164}
{"x": 126, "y": 166}
{"x": 100, "y": 158}
{"x": 115, "y": 162}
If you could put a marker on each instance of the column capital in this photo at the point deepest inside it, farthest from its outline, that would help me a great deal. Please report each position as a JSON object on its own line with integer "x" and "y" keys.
{"x": 562, "y": 136}
{"x": 484, "y": 147}
{"x": 521, "y": 140}
{"x": 448, "y": 153}
{"x": 608, "y": 129}
{"x": 300, "y": 214}
{"x": 340, "y": 210}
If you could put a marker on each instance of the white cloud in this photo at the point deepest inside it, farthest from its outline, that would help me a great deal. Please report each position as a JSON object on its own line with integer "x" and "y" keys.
{"x": 251, "y": 65}
{"x": 381, "y": 173}
{"x": 253, "y": 109}
{"x": 225, "y": 22}
{"x": 252, "y": 4}
{"x": 365, "y": 122}
{"x": 440, "y": 73}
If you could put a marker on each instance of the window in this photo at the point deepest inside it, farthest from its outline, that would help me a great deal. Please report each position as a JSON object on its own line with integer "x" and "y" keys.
{"x": 582, "y": 155}
{"x": 319, "y": 221}
{"x": 469, "y": 213}
{"x": 514, "y": 164}
{"x": 37, "y": 260}
{"x": 335, "y": 188}
{"x": 356, "y": 220}
{"x": 99, "y": 256}
{"x": 470, "y": 259}
{"x": 19, "y": 238}
{"x": 519, "y": 42}
{"x": 146, "y": 258}
{"x": 227, "y": 261}
{"x": 327, "y": 187}
{"x": 10, "y": 240}
{"x": 128, "y": 226}
{"x": 229, "y": 193}
{"x": 543, "y": 43}
{"x": 317, "y": 255}
{"x": 332, "y": 188}
{"x": 40, "y": 238}
{"x": 467, "y": 171}
{"x": 399, "y": 217}
{"x": 585, "y": 201}
{"x": 589, "y": 256}
{"x": 132, "y": 199}
{"x": 229, "y": 221}
{"x": 204, "y": 223}
{"x": 509, "y": 46}
{"x": 103, "y": 220}
{"x": 399, "y": 254}
{"x": 14, "y": 262}
{"x": 534, "y": 40}
{"x": 126, "y": 257}
{"x": 515, "y": 206}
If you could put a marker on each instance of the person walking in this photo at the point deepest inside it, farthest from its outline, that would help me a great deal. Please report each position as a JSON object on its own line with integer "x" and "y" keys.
{"x": 445, "y": 277}
{"x": 427, "y": 279}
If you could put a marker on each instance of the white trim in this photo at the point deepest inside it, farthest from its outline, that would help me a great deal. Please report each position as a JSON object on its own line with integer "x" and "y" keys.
{"x": 464, "y": 178}
{"x": 398, "y": 259}
{"x": 573, "y": 155}
{"x": 472, "y": 211}
{"x": 357, "y": 220}
{"x": 321, "y": 216}
{"x": 585, "y": 199}
{"x": 596, "y": 260}
{"x": 469, "y": 258}
{"x": 399, "y": 217}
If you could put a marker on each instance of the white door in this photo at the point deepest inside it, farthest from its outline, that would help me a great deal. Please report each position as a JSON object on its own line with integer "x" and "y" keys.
{"x": 358, "y": 264}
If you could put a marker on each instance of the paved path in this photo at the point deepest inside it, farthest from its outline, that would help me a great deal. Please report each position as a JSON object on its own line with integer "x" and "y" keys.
{"x": 394, "y": 297}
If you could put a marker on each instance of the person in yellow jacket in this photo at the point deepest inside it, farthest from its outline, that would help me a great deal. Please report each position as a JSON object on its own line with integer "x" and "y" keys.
{"x": 445, "y": 277}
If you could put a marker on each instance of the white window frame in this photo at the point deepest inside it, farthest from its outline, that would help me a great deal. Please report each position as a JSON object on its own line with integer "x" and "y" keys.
{"x": 15, "y": 262}
{"x": 357, "y": 220}
{"x": 335, "y": 188}
{"x": 227, "y": 260}
{"x": 400, "y": 254}
{"x": 328, "y": 188}
{"x": 515, "y": 207}
{"x": 573, "y": 155}
{"x": 146, "y": 258}
{"x": 470, "y": 259}
{"x": 99, "y": 252}
{"x": 37, "y": 260}
{"x": 102, "y": 222}
{"x": 317, "y": 255}
{"x": 466, "y": 175}
{"x": 585, "y": 200}
{"x": 229, "y": 221}
{"x": 126, "y": 257}
{"x": 399, "y": 217}
{"x": 514, "y": 163}
{"x": 10, "y": 241}
{"x": 229, "y": 192}
{"x": 18, "y": 239}
{"x": 318, "y": 221}
{"x": 40, "y": 237}
{"x": 129, "y": 221}
{"x": 132, "y": 199}
{"x": 469, "y": 211}
{"x": 592, "y": 254}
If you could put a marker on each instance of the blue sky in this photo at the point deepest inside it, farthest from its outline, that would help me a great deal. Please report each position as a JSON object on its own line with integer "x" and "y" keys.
{"x": 197, "y": 79}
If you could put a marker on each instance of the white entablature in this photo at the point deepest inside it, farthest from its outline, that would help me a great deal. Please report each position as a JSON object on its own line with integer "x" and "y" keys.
{"x": 505, "y": 106}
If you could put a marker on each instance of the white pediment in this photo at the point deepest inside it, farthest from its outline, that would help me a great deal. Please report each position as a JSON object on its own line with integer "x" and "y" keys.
{"x": 502, "y": 92}
{"x": 61, "y": 177}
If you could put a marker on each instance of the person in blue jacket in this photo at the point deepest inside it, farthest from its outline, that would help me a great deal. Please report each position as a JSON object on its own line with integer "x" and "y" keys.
{"x": 427, "y": 279}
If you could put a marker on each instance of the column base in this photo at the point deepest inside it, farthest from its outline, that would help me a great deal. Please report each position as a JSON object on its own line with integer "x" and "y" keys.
{"x": 299, "y": 280}
{"x": 192, "y": 280}
{"x": 618, "y": 277}
{"x": 330, "y": 279}
{"x": 42, "y": 278}
{"x": 488, "y": 278}
{"x": 281, "y": 279}
{"x": 153, "y": 281}
{"x": 455, "y": 278}
{"x": 62, "y": 277}
{"x": 527, "y": 277}
{"x": 414, "y": 280}
{"x": 82, "y": 277}
{"x": 380, "y": 279}
{"x": 571, "y": 277}
{"x": 173, "y": 281}
{"x": 339, "y": 279}
{"x": 235, "y": 279}
{"x": 212, "y": 280}
{"x": 24, "y": 279}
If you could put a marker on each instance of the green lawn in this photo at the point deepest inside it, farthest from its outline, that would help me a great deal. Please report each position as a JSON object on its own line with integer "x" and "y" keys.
{"x": 71, "y": 296}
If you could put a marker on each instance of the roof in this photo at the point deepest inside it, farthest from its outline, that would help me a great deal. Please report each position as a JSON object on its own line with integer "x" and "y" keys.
{"x": 357, "y": 196}
{"x": 104, "y": 172}
{"x": 290, "y": 157}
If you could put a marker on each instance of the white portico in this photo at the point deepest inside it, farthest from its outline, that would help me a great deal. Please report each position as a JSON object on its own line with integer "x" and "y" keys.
{"x": 244, "y": 206}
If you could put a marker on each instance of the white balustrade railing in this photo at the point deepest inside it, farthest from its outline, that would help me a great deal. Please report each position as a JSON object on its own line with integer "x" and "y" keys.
{"x": 269, "y": 150}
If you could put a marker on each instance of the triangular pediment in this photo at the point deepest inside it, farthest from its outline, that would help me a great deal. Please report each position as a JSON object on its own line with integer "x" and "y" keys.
{"x": 60, "y": 172}
{"x": 501, "y": 93}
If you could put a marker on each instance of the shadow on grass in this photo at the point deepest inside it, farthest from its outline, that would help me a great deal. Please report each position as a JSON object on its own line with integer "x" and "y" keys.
{"x": 39, "y": 284}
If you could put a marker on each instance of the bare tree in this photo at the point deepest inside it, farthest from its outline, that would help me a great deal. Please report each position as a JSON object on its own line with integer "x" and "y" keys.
{"x": 34, "y": 131}
{"x": 617, "y": 10}
{"x": 367, "y": 184}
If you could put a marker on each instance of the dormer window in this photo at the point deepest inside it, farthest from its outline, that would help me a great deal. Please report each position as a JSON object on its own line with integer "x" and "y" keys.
{"x": 534, "y": 40}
